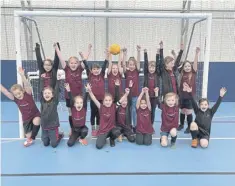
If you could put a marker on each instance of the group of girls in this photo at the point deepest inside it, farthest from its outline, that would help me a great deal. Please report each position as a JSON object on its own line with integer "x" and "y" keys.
{"x": 118, "y": 112}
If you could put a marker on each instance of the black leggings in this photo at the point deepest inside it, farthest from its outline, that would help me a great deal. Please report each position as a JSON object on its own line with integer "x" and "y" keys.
{"x": 76, "y": 133}
{"x": 101, "y": 139}
{"x": 94, "y": 113}
{"x": 128, "y": 133}
{"x": 143, "y": 139}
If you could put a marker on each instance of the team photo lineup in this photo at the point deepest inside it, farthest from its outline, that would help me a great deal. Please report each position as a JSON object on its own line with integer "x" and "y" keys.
{"x": 127, "y": 109}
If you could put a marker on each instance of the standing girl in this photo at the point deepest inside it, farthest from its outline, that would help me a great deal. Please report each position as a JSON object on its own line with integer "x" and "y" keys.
{"x": 188, "y": 75}
{"x": 96, "y": 80}
{"x": 131, "y": 73}
{"x": 73, "y": 76}
{"x": 151, "y": 80}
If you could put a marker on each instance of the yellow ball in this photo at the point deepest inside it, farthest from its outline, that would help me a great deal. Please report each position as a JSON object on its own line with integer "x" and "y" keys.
{"x": 114, "y": 49}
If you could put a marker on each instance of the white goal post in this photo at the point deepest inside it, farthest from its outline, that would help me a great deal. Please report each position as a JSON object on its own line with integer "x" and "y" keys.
{"x": 19, "y": 14}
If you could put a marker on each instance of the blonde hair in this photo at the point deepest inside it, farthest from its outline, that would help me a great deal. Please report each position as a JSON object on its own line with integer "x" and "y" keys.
{"x": 172, "y": 94}
{"x": 16, "y": 87}
{"x": 78, "y": 97}
{"x": 49, "y": 60}
{"x": 168, "y": 59}
{"x": 108, "y": 95}
{"x": 152, "y": 63}
{"x": 132, "y": 59}
{"x": 73, "y": 57}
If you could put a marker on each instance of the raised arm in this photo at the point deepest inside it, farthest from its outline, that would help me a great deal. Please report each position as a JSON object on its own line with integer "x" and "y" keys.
{"x": 194, "y": 103}
{"x": 92, "y": 96}
{"x": 161, "y": 59}
{"x": 86, "y": 56}
{"x": 195, "y": 62}
{"x": 120, "y": 69}
{"x": 56, "y": 59}
{"x": 56, "y": 92}
{"x": 124, "y": 60}
{"x": 6, "y": 92}
{"x": 71, "y": 102}
{"x": 117, "y": 92}
{"x": 59, "y": 54}
{"x": 85, "y": 100}
{"x": 138, "y": 57}
{"x": 26, "y": 84}
{"x": 39, "y": 59}
{"x": 85, "y": 63}
{"x": 145, "y": 62}
{"x": 139, "y": 99}
{"x": 110, "y": 62}
{"x": 219, "y": 100}
{"x": 177, "y": 61}
{"x": 103, "y": 68}
{"x": 147, "y": 98}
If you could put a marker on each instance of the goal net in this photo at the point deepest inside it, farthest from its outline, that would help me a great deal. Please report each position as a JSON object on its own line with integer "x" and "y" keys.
{"x": 74, "y": 32}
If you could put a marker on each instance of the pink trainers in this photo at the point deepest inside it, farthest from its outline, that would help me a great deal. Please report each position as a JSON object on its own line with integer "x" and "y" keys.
{"x": 28, "y": 142}
{"x": 83, "y": 141}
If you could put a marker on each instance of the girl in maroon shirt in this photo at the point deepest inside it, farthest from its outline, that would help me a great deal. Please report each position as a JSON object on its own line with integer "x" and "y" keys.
{"x": 123, "y": 113}
{"x": 114, "y": 73}
{"x": 107, "y": 112}
{"x": 170, "y": 117}
{"x": 144, "y": 128}
{"x": 131, "y": 72}
{"x": 188, "y": 75}
{"x": 151, "y": 80}
{"x": 73, "y": 76}
{"x": 22, "y": 96}
{"x": 78, "y": 106}
{"x": 96, "y": 79}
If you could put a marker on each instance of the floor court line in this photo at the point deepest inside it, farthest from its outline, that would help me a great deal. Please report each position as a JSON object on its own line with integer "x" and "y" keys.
{"x": 154, "y": 138}
{"x": 117, "y": 174}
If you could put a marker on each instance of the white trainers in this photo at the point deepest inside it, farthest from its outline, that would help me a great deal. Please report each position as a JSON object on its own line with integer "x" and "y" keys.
{"x": 28, "y": 142}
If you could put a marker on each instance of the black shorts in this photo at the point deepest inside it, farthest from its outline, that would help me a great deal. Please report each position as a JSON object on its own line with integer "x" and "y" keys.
{"x": 202, "y": 134}
{"x": 186, "y": 104}
{"x": 28, "y": 126}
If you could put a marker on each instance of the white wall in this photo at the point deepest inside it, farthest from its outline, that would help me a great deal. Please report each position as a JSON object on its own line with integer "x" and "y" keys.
{"x": 74, "y": 34}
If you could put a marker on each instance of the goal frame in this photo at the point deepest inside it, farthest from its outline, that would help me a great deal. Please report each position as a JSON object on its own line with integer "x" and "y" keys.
{"x": 19, "y": 14}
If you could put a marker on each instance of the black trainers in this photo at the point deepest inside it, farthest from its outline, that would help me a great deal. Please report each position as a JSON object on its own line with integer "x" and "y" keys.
{"x": 112, "y": 142}
{"x": 180, "y": 127}
{"x": 187, "y": 131}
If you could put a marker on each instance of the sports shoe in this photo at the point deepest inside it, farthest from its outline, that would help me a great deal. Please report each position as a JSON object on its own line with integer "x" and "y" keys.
{"x": 94, "y": 133}
{"x": 187, "y": 131}
{"x": 28, "y": 142}
{"x": 180, "y": 127}
{"x": 83, "y": 141}
{"x": 119, "y": 138}
{"x": 194, "y": 143}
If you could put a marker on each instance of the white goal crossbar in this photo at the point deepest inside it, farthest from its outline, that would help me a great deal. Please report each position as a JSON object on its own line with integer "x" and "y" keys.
{"x": 19, "y": 14}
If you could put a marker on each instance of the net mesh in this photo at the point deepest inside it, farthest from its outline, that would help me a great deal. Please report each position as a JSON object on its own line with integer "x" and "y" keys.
{"x": 74, "y": 34}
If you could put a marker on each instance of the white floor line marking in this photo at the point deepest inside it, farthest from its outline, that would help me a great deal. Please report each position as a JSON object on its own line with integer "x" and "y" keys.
{"x": 155, "y": 138}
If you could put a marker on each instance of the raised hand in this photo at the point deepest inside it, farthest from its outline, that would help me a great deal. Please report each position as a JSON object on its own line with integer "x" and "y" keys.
{"x": 67, "y": 87}
{"x": 223, "y": 91}
{"x": 131, "y": 83}
{"x": 181, "y": 46}
{"x": 138, "y": 47}
{"x": 197, "y": 50}
{"x": 81, "y": 55}
{"x": 161, "y": 44}
{"x": 55, "y": 45}
{"x": 145, "y": 50}
{"x": 117, "y": 82}
{"x": 21, "y": 71}
{"x": 90, "y": 46}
